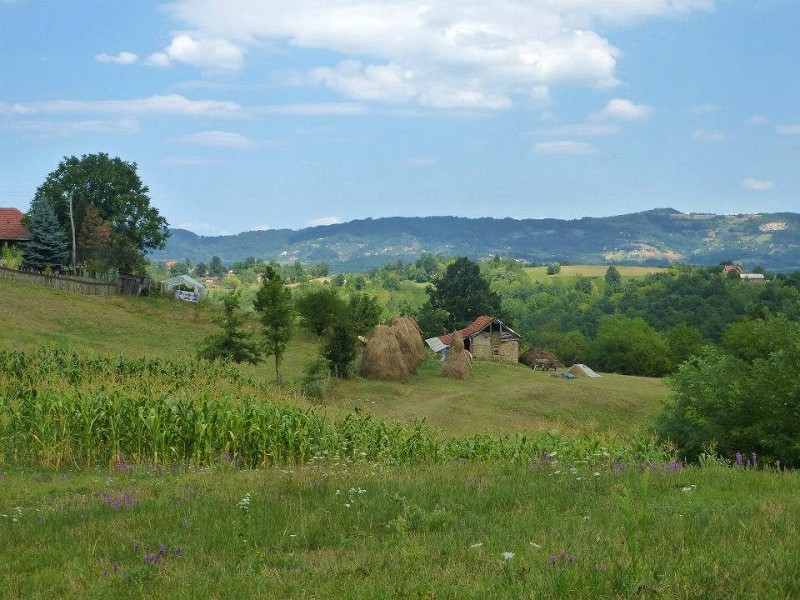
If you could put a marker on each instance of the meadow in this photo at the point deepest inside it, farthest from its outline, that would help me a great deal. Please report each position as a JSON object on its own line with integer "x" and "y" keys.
{"x": 128, "y": 469}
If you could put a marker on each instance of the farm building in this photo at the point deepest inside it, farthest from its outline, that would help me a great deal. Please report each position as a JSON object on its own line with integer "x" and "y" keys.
{"x": 12, "y": 231}
{"x": 485, "y": 338}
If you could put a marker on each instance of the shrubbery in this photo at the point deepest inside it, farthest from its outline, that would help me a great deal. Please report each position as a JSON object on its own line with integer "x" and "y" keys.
{"x": 745, "y": 398}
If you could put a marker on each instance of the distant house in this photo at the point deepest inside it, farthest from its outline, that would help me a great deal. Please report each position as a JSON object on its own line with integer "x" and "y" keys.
{"x": 12, "y": 231}
{"x": 486, "y": 338}
{"x": 752, "y": 276}
{"x": 732, "y": 269}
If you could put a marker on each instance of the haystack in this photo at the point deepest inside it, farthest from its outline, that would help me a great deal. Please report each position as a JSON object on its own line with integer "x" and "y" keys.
{"x": 409, "y": 337}
{"x": 533, "y": 356}
{"x": 457, "y": 361}
{"x": 382, "y": 358}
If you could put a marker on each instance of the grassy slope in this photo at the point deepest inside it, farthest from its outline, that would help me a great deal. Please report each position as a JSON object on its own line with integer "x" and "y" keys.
{"x": 497, "y": 397}
{"x": 421, "y": 532}
{"x": 572, "y": 271}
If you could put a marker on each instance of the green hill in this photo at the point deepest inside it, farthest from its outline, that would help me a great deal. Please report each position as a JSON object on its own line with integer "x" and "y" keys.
{"x": 654, "y": 237}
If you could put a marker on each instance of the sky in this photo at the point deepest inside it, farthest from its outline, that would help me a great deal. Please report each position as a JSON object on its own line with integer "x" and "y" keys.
{"x": 265, "y": 114}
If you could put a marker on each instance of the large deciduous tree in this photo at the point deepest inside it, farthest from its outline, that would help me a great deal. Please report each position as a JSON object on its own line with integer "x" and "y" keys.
{"x": 121, "y": 199}
{"x": 464, "y": 293}
{"x": 46, "y": 247}
{"x": 273, "y": 302}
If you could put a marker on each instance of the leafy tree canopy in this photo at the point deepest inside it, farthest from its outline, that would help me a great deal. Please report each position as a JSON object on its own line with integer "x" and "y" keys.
{"x": 464, "y": 293}
{"x": 320, "y": 308}
{"x": 114, "y": 188}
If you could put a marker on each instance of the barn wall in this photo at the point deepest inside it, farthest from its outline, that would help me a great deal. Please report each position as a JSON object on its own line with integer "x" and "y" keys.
{"x": 481, "y": 348}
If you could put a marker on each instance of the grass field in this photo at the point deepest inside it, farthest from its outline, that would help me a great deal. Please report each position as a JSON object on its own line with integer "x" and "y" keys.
{"x": 121, "y": 476}
{"x": 502, "y": 398}
{"x": 572, "y": 271}
{"x": 468, "y": 530}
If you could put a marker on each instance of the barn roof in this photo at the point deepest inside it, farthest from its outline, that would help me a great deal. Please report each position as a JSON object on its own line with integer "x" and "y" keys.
{"x": 476, "y": 327}
{"x": 11, "y": 227}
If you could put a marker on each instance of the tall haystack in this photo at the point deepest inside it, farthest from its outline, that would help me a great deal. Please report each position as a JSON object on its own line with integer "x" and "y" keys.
{"x": 409, "y": 337}
{"x": 382, "y": 358}
{"x": 457, "y": 362}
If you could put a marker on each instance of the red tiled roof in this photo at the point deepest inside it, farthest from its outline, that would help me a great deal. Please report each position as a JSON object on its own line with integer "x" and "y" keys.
{"x": 469, "y": 330}
{"x": 11, "y": 227}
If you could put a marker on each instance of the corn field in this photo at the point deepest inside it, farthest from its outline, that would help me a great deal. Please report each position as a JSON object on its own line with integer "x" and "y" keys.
{"x": 61, "y": 408}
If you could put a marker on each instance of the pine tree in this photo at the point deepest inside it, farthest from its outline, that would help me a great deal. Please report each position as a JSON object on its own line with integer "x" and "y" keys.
{"x": 46, "y": 247}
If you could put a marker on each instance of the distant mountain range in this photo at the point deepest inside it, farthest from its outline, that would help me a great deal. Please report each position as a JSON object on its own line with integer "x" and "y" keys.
{"x": 652, "y": 237}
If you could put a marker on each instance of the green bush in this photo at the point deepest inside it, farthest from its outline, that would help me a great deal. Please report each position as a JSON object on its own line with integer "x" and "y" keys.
{"x": 740, "y": 404}
{"x": 630, "y": 347}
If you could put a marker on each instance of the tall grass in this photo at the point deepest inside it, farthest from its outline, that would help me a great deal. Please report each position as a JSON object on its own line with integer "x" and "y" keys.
{"x": 65, "y": 408}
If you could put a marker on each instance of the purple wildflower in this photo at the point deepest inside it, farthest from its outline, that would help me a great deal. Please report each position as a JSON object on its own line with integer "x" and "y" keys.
{"x": 739, "y": 459}
{"x": 571, "y": 558}
{"x": 553, "y": 560}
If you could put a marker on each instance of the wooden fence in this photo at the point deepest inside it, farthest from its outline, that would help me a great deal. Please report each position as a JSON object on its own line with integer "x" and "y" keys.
{"x": 57, "y": 282}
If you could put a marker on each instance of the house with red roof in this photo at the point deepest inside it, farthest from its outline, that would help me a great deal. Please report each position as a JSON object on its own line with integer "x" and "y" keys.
{"x": 12, "y": 231}
{"x": 485, "y": 338}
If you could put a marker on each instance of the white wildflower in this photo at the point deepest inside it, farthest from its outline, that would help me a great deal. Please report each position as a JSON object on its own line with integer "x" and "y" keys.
{"x": 535, "y": 545}
{"x": 508, "y": 555}
{"x": 244, "y": 503}
{"x": 476, "y": 545}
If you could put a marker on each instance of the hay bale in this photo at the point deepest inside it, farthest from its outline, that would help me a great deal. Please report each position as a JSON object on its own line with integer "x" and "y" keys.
{"x": 533, "y": 356}
{"x": 409, "y": 337}
{"x": 457, "y": 363}
{"x": 382, "y": 358}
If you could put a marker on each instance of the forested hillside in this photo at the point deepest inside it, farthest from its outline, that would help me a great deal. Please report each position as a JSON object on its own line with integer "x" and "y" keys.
{"x": 653, "y": 237}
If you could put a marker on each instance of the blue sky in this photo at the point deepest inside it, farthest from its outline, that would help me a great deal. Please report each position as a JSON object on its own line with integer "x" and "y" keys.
{"x": 247, "y": 114}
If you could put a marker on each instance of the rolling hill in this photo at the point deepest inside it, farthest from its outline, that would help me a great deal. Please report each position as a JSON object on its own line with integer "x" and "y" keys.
{"x": 653, "y": 237}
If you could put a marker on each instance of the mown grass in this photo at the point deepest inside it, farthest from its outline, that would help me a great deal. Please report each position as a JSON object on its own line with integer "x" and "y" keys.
{"x": 574, "y": 271}
{"x": 341, "y": 530}
{"x": 504, "y": 397}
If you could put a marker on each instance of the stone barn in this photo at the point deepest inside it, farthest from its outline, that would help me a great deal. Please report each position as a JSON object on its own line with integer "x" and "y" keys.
{"x": 488, "y": 338}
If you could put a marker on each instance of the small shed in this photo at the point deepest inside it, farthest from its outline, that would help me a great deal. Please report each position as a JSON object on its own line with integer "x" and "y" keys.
{"x": 487, "y": 338}
{"x": 184, "y": 281}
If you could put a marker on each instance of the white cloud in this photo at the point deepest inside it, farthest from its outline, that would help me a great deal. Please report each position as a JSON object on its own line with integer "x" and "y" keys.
{"x": 580, "y": 130}
{"x": 199, "y": 51}
{"x": 565, "y": 147}
{"x": 439, "y": 53}
{"x": 704, "y": 109}
{"x": 757, "y": 121}
{"x": 312, "y": 110}
{"x": 325, "y": 221}
{"x": 757, "y": 185}
{"x": 173, "y": 104}
{"x": 788, "y": 129}
{"x": 620, "y": 109}
{"x": 218, "y": 139}
{"x": 702, "y": 135}
{"x": 69, "y": 129}
{"x": 122, "y": 58}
